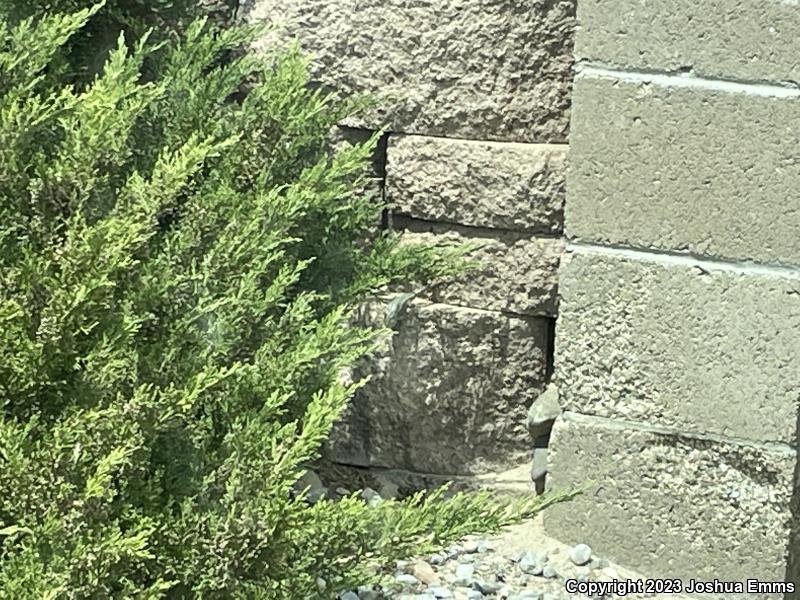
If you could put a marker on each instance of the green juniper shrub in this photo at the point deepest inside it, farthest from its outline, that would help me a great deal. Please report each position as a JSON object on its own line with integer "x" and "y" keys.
{"x": 179, "y": 259}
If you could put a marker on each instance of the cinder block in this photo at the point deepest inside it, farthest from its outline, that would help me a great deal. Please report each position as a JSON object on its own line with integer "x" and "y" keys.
{"x": 675, "y": 507}
{"x": 674, "y": 168}
{"x": 487, "y": 69}
{"x": 752, "y": 40}
{"x": 449, "y": 393}
{"x": 676, "y": 345}
{"x": 480, "y": 184}
{"x": 517, "y": 274}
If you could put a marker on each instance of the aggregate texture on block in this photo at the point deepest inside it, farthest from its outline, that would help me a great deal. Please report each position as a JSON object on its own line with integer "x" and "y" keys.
{"x": 710, "y": 172}
{"x": 681, "y": 346}
{"x": 673, "y": 507}
{"x": 515, "y": 274}
{"x": 481, "y": 184}
{"x": 449, "y": 393}
{"x": 482, "y": 69}
{"x": 750, "y": 40}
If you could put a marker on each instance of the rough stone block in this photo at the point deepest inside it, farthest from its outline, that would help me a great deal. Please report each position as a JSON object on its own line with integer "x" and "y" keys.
{"x": 449, "y": 393}
{"x": 516, "y": 274}
{"x": 677, "y": 345}
{"x": 674, "y": 507}
{"x": 748, "y": 39}
{"x": 480, "y": 184}
{"x": 709, "y": 172}
{"x": 491, "y": 69}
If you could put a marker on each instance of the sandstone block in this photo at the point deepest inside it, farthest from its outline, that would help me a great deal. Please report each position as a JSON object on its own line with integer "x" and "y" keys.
{"x": 449, "y": 393}
{"x": 709, "y": 172}
{"x": 517, "y": 274}
{"x": 748, "y": 39}
{"x": 677, "y": 345}
{"x": 490, "y": 69}
{"x": 674, "y": 507}
{"x": 480, "y": 184}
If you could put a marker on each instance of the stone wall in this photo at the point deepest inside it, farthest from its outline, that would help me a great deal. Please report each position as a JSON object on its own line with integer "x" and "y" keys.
{"x": 475, "y": 99}
{"x": 677, "y": 350}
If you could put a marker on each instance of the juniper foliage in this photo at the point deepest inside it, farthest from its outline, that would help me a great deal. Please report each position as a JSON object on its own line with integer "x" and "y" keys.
{"x": 179, "y": 257}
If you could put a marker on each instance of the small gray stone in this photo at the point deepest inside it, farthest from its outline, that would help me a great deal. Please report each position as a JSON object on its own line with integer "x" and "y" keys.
{"x": 530, "y": 564}
{"x": 368, "y": 592}
{"x": 486, "y": 587}
{"x": 464, "y": 574}
{"x": 467, "y": 558}
{"x": 580, "y": 554}
{"x": 437, "y": 559}
{"x": 321, "y": 584}
{"x": 470, "y": 547}
{"x": 371, "y": 496}
{"x": 348, "y": 596}
{"x": 485, "y": 546}
{"x": 406, "y": 579}
{"x": 474, "y": 595}
{"x": 549, "y": 572}
{"x": 530, "y": 596}
{"x": 309, "y": 479}
{"x": 316, "y": 495}
{"x": 387, "y": 488}
{"x": 440, "y": 591}
{"x": 516, "y": 557}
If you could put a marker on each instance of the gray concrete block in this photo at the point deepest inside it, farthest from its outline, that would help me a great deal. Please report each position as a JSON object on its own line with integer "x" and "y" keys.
{"x": 709, "y": 172}
{"x": 673, "y": 345}
{"x": 449, "y": 393}
{"x": 748, "y": 39}
{"x": 674, "y": 507}
{"x": 489, "y": 69}
{"x": 517, "y": 274}
{"x": 480, "y": 184}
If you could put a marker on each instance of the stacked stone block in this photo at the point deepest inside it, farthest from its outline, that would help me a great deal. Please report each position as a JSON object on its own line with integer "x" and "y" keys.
{"x": 677, "y": 351}
{"x": 474, "y": 95}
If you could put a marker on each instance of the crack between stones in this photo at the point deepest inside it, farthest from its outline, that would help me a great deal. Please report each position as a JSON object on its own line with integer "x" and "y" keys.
{"x": 417, "y": 225}
{"x": 616, "y": 424}
{"x": 560, "y": 144}
{"x": 682, "y": 78}
{"x": 686, "y": 259}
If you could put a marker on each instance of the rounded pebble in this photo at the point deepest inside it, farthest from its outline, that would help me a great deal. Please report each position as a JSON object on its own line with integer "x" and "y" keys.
{"x": 580, "y": 554}
{"x": 407, "y": 579}
{"x": 464, "y": 575}
{"x": 549, "y": 572}
{"x": 440, "y": 592}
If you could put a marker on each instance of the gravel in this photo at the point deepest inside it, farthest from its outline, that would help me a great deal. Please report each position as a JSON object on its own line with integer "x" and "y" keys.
{"x": 520, "y": 564}
{"x": 477, "y": 570}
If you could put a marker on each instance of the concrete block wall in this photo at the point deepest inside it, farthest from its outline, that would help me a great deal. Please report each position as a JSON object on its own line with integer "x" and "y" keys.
{"x": 475, "y": 98}
{"x": 677, "y": 351}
